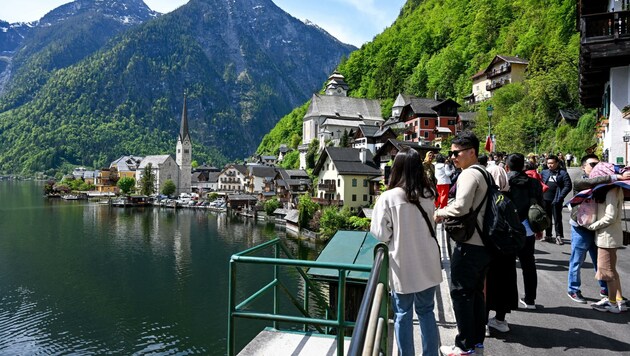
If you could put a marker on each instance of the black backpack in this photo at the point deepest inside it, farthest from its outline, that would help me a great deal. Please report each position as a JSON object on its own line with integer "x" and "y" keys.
{"x": 503, "y": 232}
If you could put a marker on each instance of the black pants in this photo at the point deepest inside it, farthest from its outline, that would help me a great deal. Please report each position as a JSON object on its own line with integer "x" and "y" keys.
{"x": 554, "y": 211}
{"x": 528, "y": 266}
{"x": 469, "y": 265}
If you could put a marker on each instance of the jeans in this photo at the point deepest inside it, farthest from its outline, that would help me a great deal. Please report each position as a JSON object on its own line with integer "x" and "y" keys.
{"x": 469, "y": 266}
{"x": 528, "y": 267}
{"x": 554, "y": 211}
{"x": 423, "y": 302}
{"x": 582, "y": 241}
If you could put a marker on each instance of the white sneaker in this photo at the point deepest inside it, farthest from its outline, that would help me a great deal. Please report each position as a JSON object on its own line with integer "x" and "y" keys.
{"x": 601, "y": 302}
{"x": 525, "y": 305}
{"x": 501, "y": 326}
{"x": 606, "y": 307}
{"x": 455, "y": 351}
{"x": 622, "y": 306}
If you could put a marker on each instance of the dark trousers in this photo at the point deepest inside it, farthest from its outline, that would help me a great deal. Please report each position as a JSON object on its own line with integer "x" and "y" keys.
{"x": 554, "y": 211}
{"x": 528, "y": 266}
{"x": 469, "y": 265}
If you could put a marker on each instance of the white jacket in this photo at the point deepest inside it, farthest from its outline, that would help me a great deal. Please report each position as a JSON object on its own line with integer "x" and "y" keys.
{"x": 443, "y": 173}
{"x": 608, "y": 229}
{"x": 414, "y": 255}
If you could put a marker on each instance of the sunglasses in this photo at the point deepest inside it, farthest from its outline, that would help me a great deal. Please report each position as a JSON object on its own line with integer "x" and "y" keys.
{"x": 457, "y": 152}
{"x": 592, "y": 164}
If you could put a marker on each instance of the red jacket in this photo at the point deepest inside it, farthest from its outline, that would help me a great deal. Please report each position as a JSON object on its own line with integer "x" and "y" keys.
{"x": 534, "y": 174}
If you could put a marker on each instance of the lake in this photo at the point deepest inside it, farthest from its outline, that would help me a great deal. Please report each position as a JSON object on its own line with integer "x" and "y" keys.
{"x": 77, "y": 277}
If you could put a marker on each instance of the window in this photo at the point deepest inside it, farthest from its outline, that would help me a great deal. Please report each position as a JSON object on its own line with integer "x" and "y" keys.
{"x": 186, "y": 151}
{"x": 364, "y": 197}
{"x": 354, "y": 182}
{"x": 451, "y": 122}
{"x": 338, "y": 182}
{"x": 354, "y": 197}
{"x": 365, "y": 182}
{"x": 426, "y": 134}
{"x": 426, "y": 122}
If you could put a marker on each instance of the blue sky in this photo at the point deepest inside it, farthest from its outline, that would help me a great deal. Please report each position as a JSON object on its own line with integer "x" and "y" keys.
{"x": 351, "y": 21}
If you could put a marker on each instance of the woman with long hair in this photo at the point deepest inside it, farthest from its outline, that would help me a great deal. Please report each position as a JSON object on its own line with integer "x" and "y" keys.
{"x": 403, "y": 218}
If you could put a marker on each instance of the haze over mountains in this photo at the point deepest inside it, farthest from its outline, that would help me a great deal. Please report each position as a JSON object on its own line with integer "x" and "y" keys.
{"x": 95, "y": 79}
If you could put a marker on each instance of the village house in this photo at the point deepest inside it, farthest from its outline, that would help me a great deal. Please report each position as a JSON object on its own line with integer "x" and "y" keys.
{"x": 106, "y": 181}
{"x": 232, "y": 178}
{"x": 260, "y": 179}
{"x": 330, "y": 115}
{"x": 372, "y": 137}
{"x": 605, "y": 72}
{"x": 291, "y": 184}
{"x": 282, "y": 152}
{"x": 501, "y": 71}
{"x": 204, "y": 182}
{"x": 126, "y": 166}
{"x": 426, "y": 120}
{"x": 343, "y": 176}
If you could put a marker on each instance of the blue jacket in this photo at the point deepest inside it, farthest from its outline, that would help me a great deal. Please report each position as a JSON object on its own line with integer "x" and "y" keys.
{"x": 563, "y": 181}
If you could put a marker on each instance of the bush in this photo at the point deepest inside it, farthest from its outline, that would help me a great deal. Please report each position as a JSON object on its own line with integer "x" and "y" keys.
{"x": 271, "y": 205}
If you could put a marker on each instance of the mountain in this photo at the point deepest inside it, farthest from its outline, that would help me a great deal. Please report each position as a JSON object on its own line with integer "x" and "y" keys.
{"x": 435, "y": 46}
{"x": 244, "y": 64}
{"x": 61, "y": 38}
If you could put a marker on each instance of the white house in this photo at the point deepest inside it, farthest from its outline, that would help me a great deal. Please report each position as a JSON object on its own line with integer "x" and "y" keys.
{"x": 164, "y": 168}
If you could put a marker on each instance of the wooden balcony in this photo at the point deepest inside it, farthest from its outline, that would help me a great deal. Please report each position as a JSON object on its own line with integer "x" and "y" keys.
{"x": 327, "y": 187}
{"x": 494, "y": 85}
{"x": 604, "y": 44}
{"x": 499, "y": 71}
{"x": 328, "y": 202}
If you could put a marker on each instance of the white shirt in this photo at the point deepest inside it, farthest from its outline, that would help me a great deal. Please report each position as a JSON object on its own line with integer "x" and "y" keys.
{"x": 414, "y": 255}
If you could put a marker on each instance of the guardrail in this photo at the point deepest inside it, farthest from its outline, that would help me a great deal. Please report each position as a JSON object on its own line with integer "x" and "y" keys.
{"x": 334, "y": 318}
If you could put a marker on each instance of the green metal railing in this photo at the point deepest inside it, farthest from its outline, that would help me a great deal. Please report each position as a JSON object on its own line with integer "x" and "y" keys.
{"x": 334, "y": 318}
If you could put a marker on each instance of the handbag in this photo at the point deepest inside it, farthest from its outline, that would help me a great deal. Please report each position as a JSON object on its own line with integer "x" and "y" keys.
{"x": 587, "y": 212}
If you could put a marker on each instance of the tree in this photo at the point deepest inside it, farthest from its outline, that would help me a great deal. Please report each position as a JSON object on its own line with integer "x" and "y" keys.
{"x": 271, "y": 205}
{"x": 126, "y": 184}
{"x": 313, "y": 147}
{"x": 147, "y": 182}
{"x": 306, "y": 209}
{"x": 194, "y": 164}
{"x": 169, "y": 187}
{"x": 344, "y": 141}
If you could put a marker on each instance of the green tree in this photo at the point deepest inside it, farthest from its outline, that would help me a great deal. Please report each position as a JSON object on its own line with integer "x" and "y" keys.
{"x": 311, "y": 154}
{"x": 271, "y": 205}
{"x": 333, "y": 220}
{"x": 306, "y": 208}
{"x": 194, "y": 164}
{"x": 358, "y": 223}
{"x": 147, "y": 182}
{"x": 344, "y": 141}
{"x": 169, "y": 187}
{"x": 126, "y": 184}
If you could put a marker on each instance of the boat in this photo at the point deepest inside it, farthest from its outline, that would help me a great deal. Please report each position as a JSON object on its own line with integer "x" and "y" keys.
{"x": 70, "y": 197}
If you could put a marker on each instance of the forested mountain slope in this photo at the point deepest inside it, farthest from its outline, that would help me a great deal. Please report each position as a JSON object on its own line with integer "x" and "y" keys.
{"x": 435, "y": 46}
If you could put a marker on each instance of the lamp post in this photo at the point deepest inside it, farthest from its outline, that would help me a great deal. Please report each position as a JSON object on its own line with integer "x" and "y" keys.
{"x": 489, "y": 111}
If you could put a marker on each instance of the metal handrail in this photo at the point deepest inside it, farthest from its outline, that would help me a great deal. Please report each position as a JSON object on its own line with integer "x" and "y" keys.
{"x": 370, "y": 331}
{"x": 338, "y": 322}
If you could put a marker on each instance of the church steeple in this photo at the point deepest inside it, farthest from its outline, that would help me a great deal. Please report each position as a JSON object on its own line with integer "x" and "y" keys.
{"x": 183, "y": 129}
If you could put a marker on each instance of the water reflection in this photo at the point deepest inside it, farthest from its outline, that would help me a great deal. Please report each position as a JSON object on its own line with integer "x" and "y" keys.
{"x": 77, "y": 277}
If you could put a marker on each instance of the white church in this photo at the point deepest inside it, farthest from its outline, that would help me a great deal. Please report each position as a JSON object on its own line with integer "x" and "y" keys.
{"x": 165, "y": 168}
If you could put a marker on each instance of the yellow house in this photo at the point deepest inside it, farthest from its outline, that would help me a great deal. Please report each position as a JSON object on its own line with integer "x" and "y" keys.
{"x": 343, "y": 177}
{"x": 501, "y": 71}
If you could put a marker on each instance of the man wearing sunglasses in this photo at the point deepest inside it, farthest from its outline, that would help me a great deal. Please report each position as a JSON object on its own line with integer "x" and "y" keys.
{"x": 582, "y": 239}
{"x": 470, "y": 259}
{"x": 559, "y": 183}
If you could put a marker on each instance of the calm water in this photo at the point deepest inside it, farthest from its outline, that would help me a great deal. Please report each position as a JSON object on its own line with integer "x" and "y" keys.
{"x": 82, "y": 278}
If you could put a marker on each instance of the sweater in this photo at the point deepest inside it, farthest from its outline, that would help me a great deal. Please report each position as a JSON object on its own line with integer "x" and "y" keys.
{"x": 414, "y": 255}
{"x": 608, "y": 230}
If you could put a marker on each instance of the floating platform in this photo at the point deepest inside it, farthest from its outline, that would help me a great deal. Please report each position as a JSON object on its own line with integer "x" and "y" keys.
{"x": 279, "y": 343}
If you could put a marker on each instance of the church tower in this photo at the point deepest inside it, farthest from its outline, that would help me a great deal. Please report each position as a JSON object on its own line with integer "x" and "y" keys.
{"x": 184, "y": 154}
{"x": 337, "y": 85}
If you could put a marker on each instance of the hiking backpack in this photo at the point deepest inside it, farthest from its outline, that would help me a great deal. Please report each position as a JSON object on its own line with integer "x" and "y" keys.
{"x": 503, "y": 231}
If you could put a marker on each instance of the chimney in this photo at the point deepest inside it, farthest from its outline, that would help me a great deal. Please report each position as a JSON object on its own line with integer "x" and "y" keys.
{"x": 435, "y": 96}
{"x": 363, "y": 155}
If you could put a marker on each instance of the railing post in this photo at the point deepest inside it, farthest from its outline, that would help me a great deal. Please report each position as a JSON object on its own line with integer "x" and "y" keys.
{"x": 275, "y": 288}
{"x": 231, "y": 342}
{"x": 341, "y": 312}
{"x": 384, "y": 278}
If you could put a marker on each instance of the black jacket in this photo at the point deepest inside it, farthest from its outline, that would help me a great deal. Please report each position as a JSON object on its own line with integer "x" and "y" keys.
{"x": 564, "y": 184}
{"x": 524, "y": 191}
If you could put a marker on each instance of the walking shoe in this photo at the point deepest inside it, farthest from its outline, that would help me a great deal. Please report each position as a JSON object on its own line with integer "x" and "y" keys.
{"x": 622, "y": 306}
{"x": 559, "y": 240}
{"x": 577, "y": 297}
{"x": 548, "y": 239}
{"x": 479, "y": 349}
{"x": 525, "y": 305}
{"x": 498, "y": 325}
{"x": 606, "y": 307}
{"x": 603, "y": 293}
{"x": 455, "y": 351}
{"x": 601, "y": 302}
{"x": 487, "y": 331}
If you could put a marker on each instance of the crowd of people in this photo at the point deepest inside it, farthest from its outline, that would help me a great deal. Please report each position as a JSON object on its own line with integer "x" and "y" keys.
{"x": 424, "y": 192}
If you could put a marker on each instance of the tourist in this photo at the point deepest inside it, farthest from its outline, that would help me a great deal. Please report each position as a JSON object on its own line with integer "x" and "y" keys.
{"x": 559, "y": 183}
{"x": 524, "y": 192}
{"x": 608, "y": 238}
{"x": 443, "y": 172}
{"x": 582, "y": 239}
{"x": 402, "y": 217}
{"x": 470, "y": 259}
{"x": 498, "y": 173}
{"x": 429, "y": 168}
